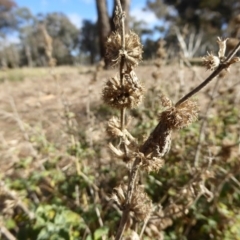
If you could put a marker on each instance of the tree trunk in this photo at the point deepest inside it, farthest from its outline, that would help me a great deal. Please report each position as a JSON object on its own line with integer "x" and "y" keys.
{"x": 29, "y": 55}
{"x": 103, "y": 25}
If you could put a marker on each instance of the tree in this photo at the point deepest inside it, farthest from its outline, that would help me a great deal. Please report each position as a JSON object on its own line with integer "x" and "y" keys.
{"x": 64, "y": 34}
{"x": 26, "y": 22}
{"x": 200, "y": 14}
{"x": 64, "y": 38}
{"x": 104, "y": 27}
{"x": 7, "y": 16}
{"x": 88, "y": 40}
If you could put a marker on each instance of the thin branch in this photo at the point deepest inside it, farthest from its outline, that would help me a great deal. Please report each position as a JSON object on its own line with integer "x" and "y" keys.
{"x": 4, "y": 231}
{"x": 223, "y": 65}
{"x": 122, "y": 14}
{"x": 134, "y": 171}
{"x": 131, "y": 187}
{"x": 144, "y": 226}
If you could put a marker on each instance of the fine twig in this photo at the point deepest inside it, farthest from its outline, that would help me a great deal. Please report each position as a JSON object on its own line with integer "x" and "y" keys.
{"x": 131, "y": 185}
{"x": 223, "y": 65}
{"x": 144, "y": 226}
{"x": 121, "y": 67}
{"x": 4, "y": 232}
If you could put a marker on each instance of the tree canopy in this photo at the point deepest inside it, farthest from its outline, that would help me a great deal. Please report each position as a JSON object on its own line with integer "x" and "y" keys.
{"x": 211, "y": 15}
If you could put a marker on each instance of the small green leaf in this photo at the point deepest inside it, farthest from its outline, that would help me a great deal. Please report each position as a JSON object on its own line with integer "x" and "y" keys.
{"x": 10, "y": 224}
{"x": 100, "y": 232}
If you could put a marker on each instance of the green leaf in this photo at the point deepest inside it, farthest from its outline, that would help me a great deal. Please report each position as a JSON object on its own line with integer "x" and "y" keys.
{"x": 40, "y": 222}
{"x": 10, "y": 224}
{"x": 71, "y": 217}
{"x": 100, "y": 232}
{"x": 43, "y": 235}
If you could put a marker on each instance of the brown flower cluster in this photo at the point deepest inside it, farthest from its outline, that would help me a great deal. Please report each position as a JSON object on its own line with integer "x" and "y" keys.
{"x": 132, "y": 52}
{"x": 141, "y": 204}
{"x": 152, "y": 164}
{"x": 126, "y": 95}
{"x": 180, "y": 116}
{"x": 159, "y": 141}
{"x": 211, "y": 61}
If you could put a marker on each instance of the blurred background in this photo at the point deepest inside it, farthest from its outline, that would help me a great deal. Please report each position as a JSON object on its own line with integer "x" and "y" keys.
{"x": 79, "y": 28}
{"x": 57, "y": 172}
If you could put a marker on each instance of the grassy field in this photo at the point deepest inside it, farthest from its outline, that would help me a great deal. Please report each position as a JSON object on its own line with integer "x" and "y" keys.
{"x": 57, "y": 172}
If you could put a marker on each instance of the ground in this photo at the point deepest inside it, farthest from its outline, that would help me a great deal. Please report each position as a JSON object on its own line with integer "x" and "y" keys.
{"x": 36, "y": 98}
{"x": 45, "y": 112}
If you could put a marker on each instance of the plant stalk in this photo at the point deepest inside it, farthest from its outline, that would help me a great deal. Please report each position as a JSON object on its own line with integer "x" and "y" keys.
{"x": 223, "y": 65}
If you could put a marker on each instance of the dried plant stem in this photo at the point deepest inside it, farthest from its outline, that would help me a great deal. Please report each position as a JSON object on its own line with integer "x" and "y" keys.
{"x": 121, "y": 67}
{"x": 121, "y": 72}
{"x": 223, "y": 65}
{"x": 131, "y": 186}
{"x": 135, "y": 167}
{"x": 17, "y": 199}
{"x": 122, "y": 23}
{"x": 4, "y": 231}
{"x": 144, "y": 226}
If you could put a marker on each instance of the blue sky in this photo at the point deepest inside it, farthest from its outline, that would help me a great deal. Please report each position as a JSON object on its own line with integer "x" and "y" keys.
{"x": 77, "y": 10}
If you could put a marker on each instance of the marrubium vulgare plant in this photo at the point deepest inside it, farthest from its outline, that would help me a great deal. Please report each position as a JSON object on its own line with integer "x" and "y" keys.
{"x": 123, "y": 92}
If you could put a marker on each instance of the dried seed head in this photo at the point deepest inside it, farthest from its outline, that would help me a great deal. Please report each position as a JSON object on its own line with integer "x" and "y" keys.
{"x": 132, "y": 52}
{"x": 129, "y": 95}
{"x": 159, "y": 141}
{"x": 130, "y": 235}
{"x": 152, "y": 164}
{"x": 141, "y": 204}
{"x": 114, "y": 128}
{"x": 180, "y": 116}
{"x": 222, "y": 47}
{"x": 166, "y": 102}
{"x": 175, "y": 210}
{"x": 119, "y": 195}
{"x": 210, "y": 61}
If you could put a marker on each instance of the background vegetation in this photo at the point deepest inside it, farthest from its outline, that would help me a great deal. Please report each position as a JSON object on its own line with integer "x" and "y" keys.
{"x": 86, "y": 45}
{"x": 57, "y": 173}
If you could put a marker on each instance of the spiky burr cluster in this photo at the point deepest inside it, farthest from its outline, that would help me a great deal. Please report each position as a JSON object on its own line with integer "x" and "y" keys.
{"x": 174, "y": 117}
{"x": 132, "y": 52}
{"x": 127, "y": 95}
{"x": 212, "y": 62}
{"x": 141, "y": 205}
{"x": 180, "y": 116}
